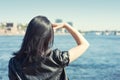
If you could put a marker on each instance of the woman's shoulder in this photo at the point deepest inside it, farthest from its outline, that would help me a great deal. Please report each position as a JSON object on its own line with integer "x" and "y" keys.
{"x": 61, "y": 57}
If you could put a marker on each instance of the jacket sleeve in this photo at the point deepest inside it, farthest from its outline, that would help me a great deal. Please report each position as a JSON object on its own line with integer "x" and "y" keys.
{"x": 61, "y": 57}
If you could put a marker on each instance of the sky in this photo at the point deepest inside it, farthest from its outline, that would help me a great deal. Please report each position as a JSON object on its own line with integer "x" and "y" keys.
{"x": 84, "y": 14}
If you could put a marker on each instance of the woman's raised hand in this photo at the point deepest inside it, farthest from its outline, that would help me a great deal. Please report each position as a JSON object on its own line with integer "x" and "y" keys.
{"x": 58, "y": 25}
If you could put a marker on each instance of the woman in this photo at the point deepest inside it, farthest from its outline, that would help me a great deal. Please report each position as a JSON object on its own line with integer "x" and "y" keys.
{"x": 36, "y": 60}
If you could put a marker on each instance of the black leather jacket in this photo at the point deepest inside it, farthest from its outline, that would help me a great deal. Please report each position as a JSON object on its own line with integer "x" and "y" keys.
{"x": 51, "y": 69}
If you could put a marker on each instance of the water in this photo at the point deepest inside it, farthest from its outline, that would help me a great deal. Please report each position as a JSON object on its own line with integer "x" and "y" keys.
{"x": 100, "y": 62}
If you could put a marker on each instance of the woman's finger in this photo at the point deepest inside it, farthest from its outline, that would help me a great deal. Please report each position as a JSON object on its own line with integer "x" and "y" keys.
{"x": 54, "y": 25}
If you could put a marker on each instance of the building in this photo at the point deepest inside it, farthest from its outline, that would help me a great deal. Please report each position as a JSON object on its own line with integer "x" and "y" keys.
{"x": 11, "y": 28}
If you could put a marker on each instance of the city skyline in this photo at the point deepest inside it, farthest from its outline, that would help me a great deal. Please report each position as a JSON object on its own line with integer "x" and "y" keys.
{"x": 84, "y": 14}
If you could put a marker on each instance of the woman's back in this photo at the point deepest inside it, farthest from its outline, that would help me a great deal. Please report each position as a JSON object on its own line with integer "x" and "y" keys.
{"x": 36, "y": 60}
{"x": 50, "y": 68}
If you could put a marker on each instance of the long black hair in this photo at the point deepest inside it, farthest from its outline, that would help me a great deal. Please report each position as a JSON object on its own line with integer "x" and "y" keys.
{"x": 38, "y": 40}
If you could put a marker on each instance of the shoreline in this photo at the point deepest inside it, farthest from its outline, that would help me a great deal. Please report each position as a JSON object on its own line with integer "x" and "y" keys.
{"x": 4, "y": 32}
{"x": 22, "y": 34}
{"x": 12, "y": 34}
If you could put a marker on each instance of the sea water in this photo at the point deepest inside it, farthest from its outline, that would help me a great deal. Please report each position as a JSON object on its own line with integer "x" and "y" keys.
{"x": 100, "y": 62}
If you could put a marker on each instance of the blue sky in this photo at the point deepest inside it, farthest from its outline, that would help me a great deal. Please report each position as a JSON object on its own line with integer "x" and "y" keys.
{"x": 85, "y": 14}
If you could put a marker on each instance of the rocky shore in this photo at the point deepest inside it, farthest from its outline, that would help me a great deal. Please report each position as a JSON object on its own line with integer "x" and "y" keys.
{"x": 4, "y": 32}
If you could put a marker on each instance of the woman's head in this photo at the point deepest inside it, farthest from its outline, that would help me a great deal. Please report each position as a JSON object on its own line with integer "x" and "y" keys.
{"x": 38, "y": 38}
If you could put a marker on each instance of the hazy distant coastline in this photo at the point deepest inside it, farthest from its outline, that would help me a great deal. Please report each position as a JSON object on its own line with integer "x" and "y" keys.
{"x": 4, "y": 32}
{"x": 17, "y": 32}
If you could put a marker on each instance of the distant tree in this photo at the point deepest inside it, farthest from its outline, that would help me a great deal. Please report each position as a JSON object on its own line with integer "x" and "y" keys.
{"x": 2, "y": 26}
{"x": 22, "y": 26}
{"x": 79, "y": 31}
{"x": 58, "y": 20}
{"x": 70, "y": 23}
